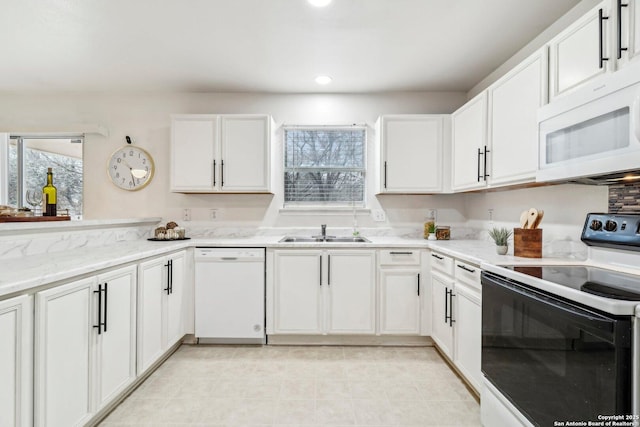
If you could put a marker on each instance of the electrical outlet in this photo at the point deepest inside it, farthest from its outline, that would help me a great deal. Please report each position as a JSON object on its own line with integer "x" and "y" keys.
{"x": 431, "y": 213}
{"x": 378, "y": 215}
{"x": 213, "y": 214}
{"x": 186, "y": 214}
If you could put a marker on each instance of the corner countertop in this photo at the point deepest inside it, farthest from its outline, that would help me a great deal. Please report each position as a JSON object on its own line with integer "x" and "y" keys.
{"x": 31, "y": 273}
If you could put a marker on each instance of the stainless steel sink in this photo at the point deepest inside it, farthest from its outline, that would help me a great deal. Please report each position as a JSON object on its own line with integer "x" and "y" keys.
{"x": 348, "y": 239}
{"x": 293, "y": 239}
{"x": 328, "y": 239}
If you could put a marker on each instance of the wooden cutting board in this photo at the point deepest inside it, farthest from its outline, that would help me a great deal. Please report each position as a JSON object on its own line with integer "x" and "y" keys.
{"x": 33, "y": 218}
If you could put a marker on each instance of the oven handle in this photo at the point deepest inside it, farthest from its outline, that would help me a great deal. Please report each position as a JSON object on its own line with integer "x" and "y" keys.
{"x": 600, "y": 326}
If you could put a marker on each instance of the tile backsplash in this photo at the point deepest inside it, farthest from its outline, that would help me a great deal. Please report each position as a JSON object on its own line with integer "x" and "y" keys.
{"x": 624, "y": 198}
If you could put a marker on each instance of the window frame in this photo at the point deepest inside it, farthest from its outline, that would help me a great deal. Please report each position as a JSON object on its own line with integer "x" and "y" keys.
{"x": 5, "y": 139}
{"x": 326, "y": 206}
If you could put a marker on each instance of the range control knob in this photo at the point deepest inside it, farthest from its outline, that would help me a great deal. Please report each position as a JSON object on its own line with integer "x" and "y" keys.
{"x": 596, "y": 225}
{"x": 610, "y": 225}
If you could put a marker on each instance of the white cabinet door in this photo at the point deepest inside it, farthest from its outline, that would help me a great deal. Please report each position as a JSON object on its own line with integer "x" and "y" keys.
{"x": 575, "y": 53}
{"x": 245, "y": 155}
{"x": 151, "y": 284}
{"x": 298, "y": 292}
{"x": 400, "y": 301}
{"x": 64, "y": 342}
{"x": 468, "y": 316}
{"x": 351, "y": 292}
{"x": 634, "y": 29}
{"x": 469, "y": 144}
{"x": 513, "y": 104}
{"x": 412, "y": 153}
{"x": 193, "y": 152}
{"x": 441, "y": 326}
{"x": 116, "y": 345}
{"x": 16, "y": 331}
{"x": 174, "y": 299}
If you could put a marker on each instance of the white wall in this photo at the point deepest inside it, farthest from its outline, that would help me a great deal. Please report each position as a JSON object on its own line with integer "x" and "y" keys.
{"x": 145, "y": 118}
{"x": 565, "y": 209}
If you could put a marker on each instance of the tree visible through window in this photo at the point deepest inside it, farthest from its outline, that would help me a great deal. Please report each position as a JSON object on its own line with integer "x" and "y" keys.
{"x": 324, "y": 166}
{"x": 63, "y": 155}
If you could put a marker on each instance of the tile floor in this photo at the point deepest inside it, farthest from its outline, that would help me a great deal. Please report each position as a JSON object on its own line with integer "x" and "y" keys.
{"x": 300, "y": 386}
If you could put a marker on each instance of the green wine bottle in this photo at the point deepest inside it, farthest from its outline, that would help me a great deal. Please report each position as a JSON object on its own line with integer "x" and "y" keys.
{"x": 49, "y": 196}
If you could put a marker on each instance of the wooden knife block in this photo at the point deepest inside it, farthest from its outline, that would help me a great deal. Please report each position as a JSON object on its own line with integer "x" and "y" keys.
{"x": 527, "y": 243}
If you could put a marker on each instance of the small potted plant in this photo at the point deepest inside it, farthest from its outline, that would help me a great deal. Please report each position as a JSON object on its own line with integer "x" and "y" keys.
{"x": 500, "y": 236}
{"x": 432, "y": 231}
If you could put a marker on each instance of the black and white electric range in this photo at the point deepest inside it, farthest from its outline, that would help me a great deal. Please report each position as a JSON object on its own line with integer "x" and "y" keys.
{"x": 561, "y": 343}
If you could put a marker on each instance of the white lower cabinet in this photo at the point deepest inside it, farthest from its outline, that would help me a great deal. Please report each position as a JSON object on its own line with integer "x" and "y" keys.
{"x": 116, "y": 343}
{"x": 16, "y": 331}
{"x": 442, "y": 322}
{"x": 322, "y": 292}
{"x": 400, "y": 305}
{"x": 400, "y": 301}
{"x": 84, "y": 352}
{"x": 351, "y": 292}
{"x": 468, "y": 346}
{"x": 161, "y": 321}
{"x": 457, "y": 314}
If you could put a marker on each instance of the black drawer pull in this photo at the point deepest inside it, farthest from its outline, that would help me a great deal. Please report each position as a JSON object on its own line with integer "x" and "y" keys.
{"x": 401, "y": 253}
{"x": 470, "y": 270}
{"x": 437, "y": 256}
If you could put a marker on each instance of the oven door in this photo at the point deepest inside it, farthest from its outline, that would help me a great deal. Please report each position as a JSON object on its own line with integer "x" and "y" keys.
{"x": 553, "y": 360}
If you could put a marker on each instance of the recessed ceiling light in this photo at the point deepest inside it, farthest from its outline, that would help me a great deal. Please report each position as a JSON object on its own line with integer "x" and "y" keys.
{"x": 323, "y": 80}
{"x": 319, "y": 3}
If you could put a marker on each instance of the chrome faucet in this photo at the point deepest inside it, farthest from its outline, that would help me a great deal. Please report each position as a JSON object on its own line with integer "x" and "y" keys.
{"x": 324, "y": 231}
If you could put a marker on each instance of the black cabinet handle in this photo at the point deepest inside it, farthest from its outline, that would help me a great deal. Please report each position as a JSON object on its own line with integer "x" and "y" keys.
{"x": 437, "y": 256}
{"x": 620, "y": 48}
{"x": 470, "y": 270}
{"x": 328, "y": 270}
{"x": 401, "y": 253}
{"x": 479, "y": 154}
{"x": 214, "y": 173}
{"x": 99, "y": 325}
{"x": 601, "y": 19}
{"x": 221, "y": 173}
{"x": 385, "y": 174}
{"x": 320, "y": 270}
{"x": 171, "y": 276}
{"x": 485, "y": 162}
{"x": 451, "y": 295}
{"x": 418, "y": 284}
{"x": 446, "y": 305}
{"x": 168, "y": 288}
{"x": 106, "y": 299}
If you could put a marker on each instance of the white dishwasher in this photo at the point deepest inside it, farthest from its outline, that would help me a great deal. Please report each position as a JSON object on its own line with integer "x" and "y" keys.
{"x": 230, "y": 295}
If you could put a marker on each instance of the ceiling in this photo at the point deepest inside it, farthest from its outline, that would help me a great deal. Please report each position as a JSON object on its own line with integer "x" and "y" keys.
{"x": 262, "y": 45}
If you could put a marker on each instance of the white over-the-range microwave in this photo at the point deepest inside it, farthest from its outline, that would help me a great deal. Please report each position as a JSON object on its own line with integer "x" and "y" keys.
{"x": 593, "y": 134}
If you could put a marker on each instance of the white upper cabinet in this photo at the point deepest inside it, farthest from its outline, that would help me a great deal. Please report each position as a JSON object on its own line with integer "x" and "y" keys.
{"x": 193, "y": 152}
{"x": 244, "y": 157}
{"x": 627, "y": 31}
{"x": 583, "y": 51}
{"x": 411, "y": 152}
{"x": 469, "y": 144}
{"x": 513, "y": 128}
{"x": 227, "y": 153}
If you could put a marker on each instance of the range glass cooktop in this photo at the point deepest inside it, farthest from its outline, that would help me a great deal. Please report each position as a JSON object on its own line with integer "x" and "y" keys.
{"x": 597, "y": 281}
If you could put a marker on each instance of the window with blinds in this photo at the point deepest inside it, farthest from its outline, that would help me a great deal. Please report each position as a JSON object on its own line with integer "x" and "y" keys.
{"x": 324, "y": 166}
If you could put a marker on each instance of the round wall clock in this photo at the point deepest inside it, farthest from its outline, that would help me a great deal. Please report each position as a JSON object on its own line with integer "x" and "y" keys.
{"x": 130, "y": 168}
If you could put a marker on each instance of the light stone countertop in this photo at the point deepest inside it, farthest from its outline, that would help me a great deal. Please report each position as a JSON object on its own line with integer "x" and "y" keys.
{"x": 31, "y": 273}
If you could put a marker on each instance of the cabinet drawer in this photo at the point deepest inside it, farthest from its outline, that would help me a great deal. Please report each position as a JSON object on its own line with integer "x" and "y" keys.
{"x": 442, "y": 263}
{"x": 467, "y": 273}
{"x": 400, "y": 257}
